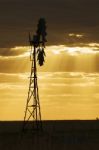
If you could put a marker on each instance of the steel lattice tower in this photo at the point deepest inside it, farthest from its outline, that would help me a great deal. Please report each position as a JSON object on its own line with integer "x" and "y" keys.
{"x": 32, "y": 118}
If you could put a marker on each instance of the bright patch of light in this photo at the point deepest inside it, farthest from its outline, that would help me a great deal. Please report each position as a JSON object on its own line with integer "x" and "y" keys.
{"x": 19, "y": 48}
{"x": 93, "y": 44}
{"x": 25, "y": 49}
{"x": 56, "y": 52}
{"x": 89, "y": 49}
{"x": 76, "y": 35}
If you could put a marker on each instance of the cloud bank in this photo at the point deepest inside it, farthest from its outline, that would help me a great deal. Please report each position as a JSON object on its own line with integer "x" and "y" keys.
{"x": 63, "y": 18}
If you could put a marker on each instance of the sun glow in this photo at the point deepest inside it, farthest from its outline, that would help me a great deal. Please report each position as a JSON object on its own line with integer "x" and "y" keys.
{"x": 69, "y": 78}
{"x": 90, "y": 48}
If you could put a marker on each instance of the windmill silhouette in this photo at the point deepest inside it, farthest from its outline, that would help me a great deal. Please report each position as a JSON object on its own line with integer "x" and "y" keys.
{"x": 32, "y": 117}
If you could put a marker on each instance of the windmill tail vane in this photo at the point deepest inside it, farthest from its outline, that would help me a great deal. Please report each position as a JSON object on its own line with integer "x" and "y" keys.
{"x": 40, "y": 56}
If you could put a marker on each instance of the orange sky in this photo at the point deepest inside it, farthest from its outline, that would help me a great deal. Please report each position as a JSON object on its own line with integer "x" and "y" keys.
{"x": 68, "y": 83}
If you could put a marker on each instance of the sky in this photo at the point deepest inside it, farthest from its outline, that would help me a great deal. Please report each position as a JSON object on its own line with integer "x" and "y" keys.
{"x": 69, "y": 80}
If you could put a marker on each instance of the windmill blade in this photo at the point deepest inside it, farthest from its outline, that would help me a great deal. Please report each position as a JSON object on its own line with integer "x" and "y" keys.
{"x": 41, "y": 30}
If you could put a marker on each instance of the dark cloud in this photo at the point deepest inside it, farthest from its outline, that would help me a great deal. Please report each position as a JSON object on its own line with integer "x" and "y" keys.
{"x": 10, "y": 52}
{"x": 12, "y": 65}
{"x": 18, "y": 17}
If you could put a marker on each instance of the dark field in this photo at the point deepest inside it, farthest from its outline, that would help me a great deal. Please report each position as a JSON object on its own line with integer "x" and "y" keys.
{"x": 57, "y": 135}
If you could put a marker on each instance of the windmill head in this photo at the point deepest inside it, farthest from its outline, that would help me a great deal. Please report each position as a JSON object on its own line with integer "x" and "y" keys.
{"x": 40, "y": 36}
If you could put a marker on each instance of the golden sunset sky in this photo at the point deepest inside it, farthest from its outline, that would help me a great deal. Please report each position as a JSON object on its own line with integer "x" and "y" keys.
{"x": 69, "y": 80}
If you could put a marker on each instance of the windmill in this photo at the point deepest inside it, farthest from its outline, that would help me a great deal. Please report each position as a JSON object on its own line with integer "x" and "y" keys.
{"x": 32, "y": 117}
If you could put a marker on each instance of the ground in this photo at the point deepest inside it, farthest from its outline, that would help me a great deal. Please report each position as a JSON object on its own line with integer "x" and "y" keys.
{"x": 56, "y": 135}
